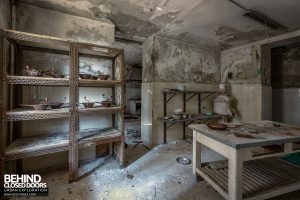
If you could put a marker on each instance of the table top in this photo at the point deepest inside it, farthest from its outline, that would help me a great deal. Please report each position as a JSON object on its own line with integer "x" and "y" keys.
{"x": 251, "y": 134}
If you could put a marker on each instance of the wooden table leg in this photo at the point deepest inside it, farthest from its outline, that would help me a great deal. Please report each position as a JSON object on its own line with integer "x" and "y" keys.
{"x": 196, "y": 156}
{"x": 235, "y": 175}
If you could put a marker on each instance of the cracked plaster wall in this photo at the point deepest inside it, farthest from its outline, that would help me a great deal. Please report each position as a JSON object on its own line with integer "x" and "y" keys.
{"x": 168, "y": 63}
{"x": 168, "y": 60}
{"x": 5, "y": 14}
{"x": 53, "y": 23}
{"x": 246, "y": 70}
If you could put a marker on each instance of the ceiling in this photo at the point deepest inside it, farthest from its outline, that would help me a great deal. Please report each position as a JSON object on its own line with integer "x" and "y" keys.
{"x": 212, "y": 23}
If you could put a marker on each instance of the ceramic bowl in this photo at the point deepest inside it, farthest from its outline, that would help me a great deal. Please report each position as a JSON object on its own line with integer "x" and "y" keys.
{"x": 88, "y": 104}
{"x": 40, "y": 106}
{"x": 55, "y": 105}
{"x": 176, "y": 116}
{"x": 85, "y": 76}
{"x": 94, "y": 77}
{"x": 106, "y": 103}
{"x": 103, "y": 76}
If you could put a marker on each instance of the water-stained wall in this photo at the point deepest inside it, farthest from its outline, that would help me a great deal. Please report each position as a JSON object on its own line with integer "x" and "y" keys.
{"x": 168, "y": 60}
{"x": 5, "y": 14}
{"x": 241, "y": 70}
{"x": 53, "y": 23}
{"x": 241, "y": 65}
{"x": 168, "y": 63}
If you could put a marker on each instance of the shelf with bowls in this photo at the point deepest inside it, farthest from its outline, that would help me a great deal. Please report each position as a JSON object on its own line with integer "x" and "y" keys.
{"x": 12, "y": 96}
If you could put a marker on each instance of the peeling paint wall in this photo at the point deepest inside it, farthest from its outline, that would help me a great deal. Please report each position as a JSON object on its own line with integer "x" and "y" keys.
{"x": 174, "y": 61}
{"x": 133, "y": 70}
{"x": 5, "y": 14}
{"x": 241, "y": 65}
{"x": 168, "y": 63}
{"x": 241, "y": 71}
{"x": 52, "y": 23}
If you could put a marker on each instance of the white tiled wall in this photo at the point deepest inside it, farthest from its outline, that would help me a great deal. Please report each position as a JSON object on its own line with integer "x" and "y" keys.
{"x": 146, "y": 112}
{"x": 248, "y": 98}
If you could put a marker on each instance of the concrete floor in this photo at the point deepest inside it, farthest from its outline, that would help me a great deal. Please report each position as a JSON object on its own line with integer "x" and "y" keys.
{"x": 152, "y": 174}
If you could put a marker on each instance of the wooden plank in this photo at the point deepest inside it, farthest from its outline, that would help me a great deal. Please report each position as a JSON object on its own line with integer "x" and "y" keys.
{"x": 260, "y": 178}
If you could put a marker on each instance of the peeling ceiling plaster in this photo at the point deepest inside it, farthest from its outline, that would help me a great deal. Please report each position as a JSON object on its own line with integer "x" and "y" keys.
{"x": 213, "y": 23}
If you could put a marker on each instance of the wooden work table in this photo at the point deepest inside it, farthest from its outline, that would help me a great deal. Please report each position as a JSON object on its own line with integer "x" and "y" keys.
{"x": 251, "y": 169}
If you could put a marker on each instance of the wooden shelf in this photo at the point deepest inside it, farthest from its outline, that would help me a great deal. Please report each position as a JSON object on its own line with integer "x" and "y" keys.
{"x": 58, "y": 142}
{"x": 98, "y": 83}
{"x": 26, "y": 80}
{"x": 260, "y": 177}
{"x": 100, "y": 109}
{"x": 21, "y": 114}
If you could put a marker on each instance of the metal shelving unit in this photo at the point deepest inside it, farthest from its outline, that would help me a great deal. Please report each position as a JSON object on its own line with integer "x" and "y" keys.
{"x": 187, "y": 96}
{"x": 74, "y": 138}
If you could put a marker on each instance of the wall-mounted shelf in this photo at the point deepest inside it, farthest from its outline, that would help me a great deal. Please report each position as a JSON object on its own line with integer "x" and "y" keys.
{"x": 74, "y": 138}
{"x": 187, "y": 96}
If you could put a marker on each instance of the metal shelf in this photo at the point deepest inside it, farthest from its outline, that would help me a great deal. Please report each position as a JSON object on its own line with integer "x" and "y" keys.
{"x": 58, "y": 142}
{"x": 26, "y": 80}
{"x": 40, "y": 43}
{"x": 21, "y": 114}
{"x": 98, "y": 83}
{"x": 187, "y": 96}
{"x": 100, "y": 109}
{"x": 90, "y": 137}
{"x": 260, "y": 177}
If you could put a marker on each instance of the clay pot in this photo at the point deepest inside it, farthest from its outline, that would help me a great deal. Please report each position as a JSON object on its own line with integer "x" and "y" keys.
{"x": 106, "y": 103}
{"x": 88, "y": 104}
{"x": 94, "y": 77}
{"x": 40, "y": 106}
{"x": 56, "y": 73}
{"x": 85, "y": 76}
{"x": 32, "y": 72}
{"x": 55, "y": 105}
{"x": 103, "y": 76}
